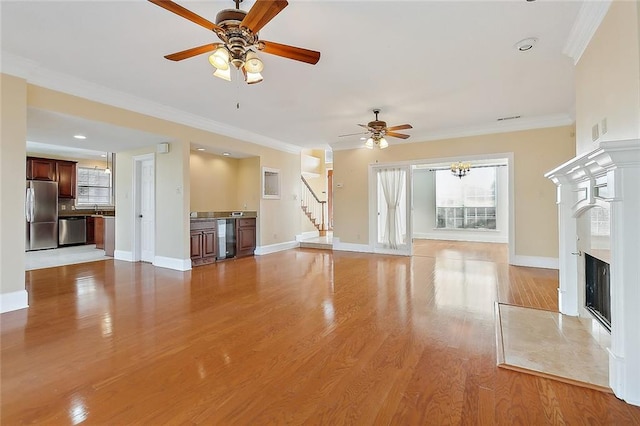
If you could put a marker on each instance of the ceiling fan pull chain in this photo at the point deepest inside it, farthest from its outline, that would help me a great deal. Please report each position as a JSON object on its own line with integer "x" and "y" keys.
{"x": 237, "y": 83}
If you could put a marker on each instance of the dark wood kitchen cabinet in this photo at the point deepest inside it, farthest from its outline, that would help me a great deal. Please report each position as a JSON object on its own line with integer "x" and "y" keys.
{"x": 203, "y": 242}
{"x": 61, "y": 171}
{"x": 98, "y": 232}
{"x": 66, "y": 177}
{"x": 41, "y": 168}
{"x": 91, "y": 231}
{"x": 246, "y": 236}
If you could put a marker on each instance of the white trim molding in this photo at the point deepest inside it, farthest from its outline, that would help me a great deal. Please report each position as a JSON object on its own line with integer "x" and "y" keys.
{"x": 489, "y": 237}
{"x": 172, "y": 263}
{"x": 360, "y": 248}
{"x": 587, "y": 22}
{"x": 14, "y": 301}
{"x": 307, "y": 235}
{"x": 123, "y": 255}
{"x": 273, "y": 248}
{"x": 535, "y": 261}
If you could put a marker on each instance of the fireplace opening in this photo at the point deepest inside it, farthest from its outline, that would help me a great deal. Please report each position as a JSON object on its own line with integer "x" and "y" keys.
{"x": 598, "y": 293}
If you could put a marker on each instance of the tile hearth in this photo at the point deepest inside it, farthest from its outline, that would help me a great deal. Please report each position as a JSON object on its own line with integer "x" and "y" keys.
{"x": 553, "y": 344}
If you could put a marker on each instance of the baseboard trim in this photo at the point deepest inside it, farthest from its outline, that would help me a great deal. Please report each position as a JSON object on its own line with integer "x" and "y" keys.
{"x": 172, "y": 263}
{"x": 340, "y": 246}
{"x": 307, "y": 235}
{"x": 14, "y": 301}
{"x": 475, "y": 238}
{"x": 535, "y": 261}
{"x": 123, "y": 255}
{"x": 273, "y": 248}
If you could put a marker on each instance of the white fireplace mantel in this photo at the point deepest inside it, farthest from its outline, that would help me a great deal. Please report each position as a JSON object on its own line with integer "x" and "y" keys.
{"x": 609, "y": 175}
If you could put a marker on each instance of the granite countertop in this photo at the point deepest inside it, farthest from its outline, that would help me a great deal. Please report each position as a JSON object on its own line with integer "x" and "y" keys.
{"x": 91, "y": 212}
{"x": 197, "y": 216}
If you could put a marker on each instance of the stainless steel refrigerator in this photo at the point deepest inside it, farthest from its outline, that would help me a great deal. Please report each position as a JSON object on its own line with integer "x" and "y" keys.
{"x": 41, "y": 210}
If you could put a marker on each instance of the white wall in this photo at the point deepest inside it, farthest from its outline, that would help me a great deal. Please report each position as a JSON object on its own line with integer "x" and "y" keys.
{"x": 424, "y": 210}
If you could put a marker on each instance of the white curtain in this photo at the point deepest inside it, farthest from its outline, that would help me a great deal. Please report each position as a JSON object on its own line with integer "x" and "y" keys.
{"x": 392, "y": 182}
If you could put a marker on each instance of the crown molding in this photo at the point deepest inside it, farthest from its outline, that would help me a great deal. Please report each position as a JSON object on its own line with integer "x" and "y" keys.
{"x": 587, "y": 22}
{"x": 540, "y": 122}
{"x": 38, "y": 75}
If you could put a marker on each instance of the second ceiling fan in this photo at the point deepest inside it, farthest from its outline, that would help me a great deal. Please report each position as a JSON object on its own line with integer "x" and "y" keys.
{"x": 377, "y": 130}
{"x": 238, "y": 31}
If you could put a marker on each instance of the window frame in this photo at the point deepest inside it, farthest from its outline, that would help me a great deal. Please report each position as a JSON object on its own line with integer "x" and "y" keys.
{"x": 463, "y": 215}
{"x": 80, "y": 203}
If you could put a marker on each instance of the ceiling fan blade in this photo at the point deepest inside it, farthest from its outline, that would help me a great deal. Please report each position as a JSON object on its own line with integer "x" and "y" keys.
{"x": 400, "y": 127}
{"x": 353, "y": 134}
{"x": 185, "y": 13}
{"x": 397, "y": 135}
{"x": 366, "y": 127}
{"x": 296, "y": 53}
{"x": 178, "y": 56}
{"x": 261, "y": 13}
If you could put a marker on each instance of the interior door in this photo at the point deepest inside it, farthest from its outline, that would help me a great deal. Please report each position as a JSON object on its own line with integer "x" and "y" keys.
{"x": 147, "y": 210}
{"x": 390, "y": 209}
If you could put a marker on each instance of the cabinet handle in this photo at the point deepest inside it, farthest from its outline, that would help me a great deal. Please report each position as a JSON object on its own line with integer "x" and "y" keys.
{"x": 578, "y": 253}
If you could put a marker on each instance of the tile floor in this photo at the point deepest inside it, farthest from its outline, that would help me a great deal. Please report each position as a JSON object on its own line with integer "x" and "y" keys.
{"x": 63, "y": 256}
{"x": 325, "y": 242}
{"x": 573, "y": 348}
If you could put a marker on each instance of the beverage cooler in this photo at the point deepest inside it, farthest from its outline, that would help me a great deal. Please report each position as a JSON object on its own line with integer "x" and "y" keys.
{"x": 226, "y": 230}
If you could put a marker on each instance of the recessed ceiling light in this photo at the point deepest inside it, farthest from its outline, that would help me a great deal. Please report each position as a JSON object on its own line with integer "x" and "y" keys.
{"x": 526, "y": 44}
{"x": 200, "y": 149}
{"x": 226, "y": 154}
{"x": 79, "y": 136}
{"x": 363, "y": 138}
{"x": 103, "y": 155}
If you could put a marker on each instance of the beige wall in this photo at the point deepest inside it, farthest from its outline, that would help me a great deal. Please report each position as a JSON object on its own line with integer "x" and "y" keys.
{"x": 214, "y": 182}
{"x": 280, "y": 219}
{"x": 535, "y": 152}
{"x": 13, "y": 136}
{"x": 248, "y": 185}
{"x": 608, "y": 78}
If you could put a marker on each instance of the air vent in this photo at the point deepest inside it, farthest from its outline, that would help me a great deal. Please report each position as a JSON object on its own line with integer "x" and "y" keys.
{"x": 513, "y": 117}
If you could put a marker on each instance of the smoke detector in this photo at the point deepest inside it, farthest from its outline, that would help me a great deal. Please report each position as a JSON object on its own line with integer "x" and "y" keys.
{"x": 526, "y": 44}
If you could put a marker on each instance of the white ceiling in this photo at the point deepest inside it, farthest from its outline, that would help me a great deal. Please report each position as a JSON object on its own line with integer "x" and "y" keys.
{"x": 449, "y": 68}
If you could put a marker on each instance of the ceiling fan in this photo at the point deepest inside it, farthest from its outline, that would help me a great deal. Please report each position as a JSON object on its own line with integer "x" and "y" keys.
{"x": 238, "y": 31}
{"x": 378, "y": 129}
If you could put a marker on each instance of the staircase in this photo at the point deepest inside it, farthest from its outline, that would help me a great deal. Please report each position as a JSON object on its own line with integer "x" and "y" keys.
{"x": 313, "y": 208}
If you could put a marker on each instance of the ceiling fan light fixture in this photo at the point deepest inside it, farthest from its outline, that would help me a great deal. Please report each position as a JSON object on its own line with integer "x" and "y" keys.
{"x": 223, "y": 74}
{"x": 382, "y": 143}
{"x": 369, "y": 143}
{"x": 251, "y": 77}
{"x": 253, "y": 64}
{"x": 220, "y": 58}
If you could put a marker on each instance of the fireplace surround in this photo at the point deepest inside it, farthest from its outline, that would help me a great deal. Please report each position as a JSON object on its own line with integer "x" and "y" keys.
{"x": 607, "y": 178}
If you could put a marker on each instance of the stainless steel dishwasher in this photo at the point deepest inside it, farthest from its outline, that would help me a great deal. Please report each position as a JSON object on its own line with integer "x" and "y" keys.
{"x": 72, "y": 230}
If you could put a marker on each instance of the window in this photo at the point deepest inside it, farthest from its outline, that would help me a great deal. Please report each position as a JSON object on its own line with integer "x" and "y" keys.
{"x": 94, "y": 187}
{"x": 467, "y": 203}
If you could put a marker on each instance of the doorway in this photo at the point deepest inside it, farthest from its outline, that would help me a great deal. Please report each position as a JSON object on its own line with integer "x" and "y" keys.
{"x": 144, "y": 208}
{"x": 390, "y": 209}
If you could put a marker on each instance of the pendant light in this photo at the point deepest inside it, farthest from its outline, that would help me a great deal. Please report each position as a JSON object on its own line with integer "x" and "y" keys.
{"x": 107, "y": 170}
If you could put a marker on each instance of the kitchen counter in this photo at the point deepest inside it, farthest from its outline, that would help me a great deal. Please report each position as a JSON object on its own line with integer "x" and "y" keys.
{"x": 80, "y": 213}
{"x": 198, "y": 216}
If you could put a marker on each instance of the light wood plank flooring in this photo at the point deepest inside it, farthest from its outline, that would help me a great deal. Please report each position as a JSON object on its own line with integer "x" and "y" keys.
{"x": 301, "y": 336}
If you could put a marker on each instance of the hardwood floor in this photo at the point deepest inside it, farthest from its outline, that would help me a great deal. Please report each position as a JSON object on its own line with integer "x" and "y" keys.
{"x": 301, "y": 336}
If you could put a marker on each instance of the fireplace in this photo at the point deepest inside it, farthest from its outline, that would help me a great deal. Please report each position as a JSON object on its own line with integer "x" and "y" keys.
{"x": 598, "y": 198}
{"x": 597, "y": 290}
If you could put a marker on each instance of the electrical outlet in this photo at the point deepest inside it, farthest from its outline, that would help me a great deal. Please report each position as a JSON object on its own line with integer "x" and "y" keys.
{"x": 603, "y": 125}
{"x": 595, "y": 133}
